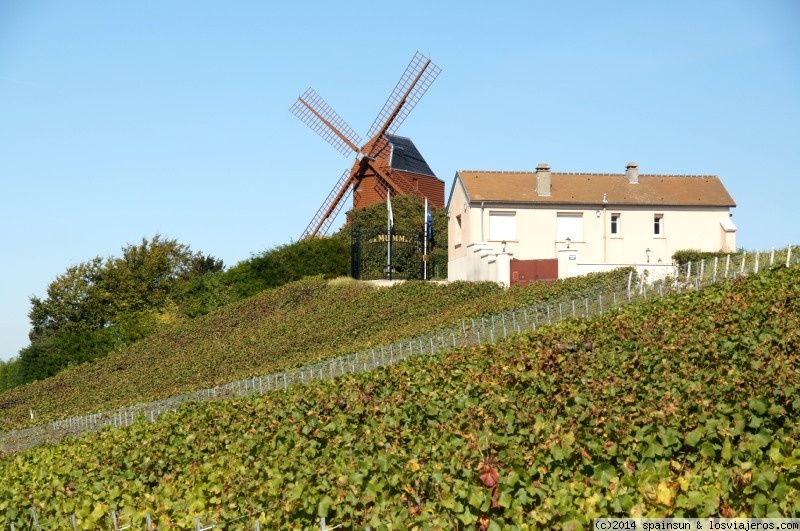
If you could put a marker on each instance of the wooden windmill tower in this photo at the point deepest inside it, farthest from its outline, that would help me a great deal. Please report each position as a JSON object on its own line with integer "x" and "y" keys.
{"x": 385, "y": 161}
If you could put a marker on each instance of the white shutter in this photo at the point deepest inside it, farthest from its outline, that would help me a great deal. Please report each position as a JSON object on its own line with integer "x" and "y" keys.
{"x": 502, "y": 226}
{"x": 569, "y": 226}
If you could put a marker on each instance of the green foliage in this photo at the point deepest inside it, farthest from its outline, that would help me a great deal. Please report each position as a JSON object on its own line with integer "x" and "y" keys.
{"x": 695, "y": 256}
{"x": 685, "y": 407}
{"x": 329, "y": 257}
{"x": 9, "y": 374}
{"x": 101, "y": 305}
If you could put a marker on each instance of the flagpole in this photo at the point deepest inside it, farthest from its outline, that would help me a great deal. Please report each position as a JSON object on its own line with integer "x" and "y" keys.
{"x": 389, "y": 224}
{"x": 425, "y": 245}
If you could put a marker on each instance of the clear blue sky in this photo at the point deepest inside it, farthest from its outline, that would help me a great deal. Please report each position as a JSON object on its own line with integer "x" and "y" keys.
{"x": 120, "y": 120}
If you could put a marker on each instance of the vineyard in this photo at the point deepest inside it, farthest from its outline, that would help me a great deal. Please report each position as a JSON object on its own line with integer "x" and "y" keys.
{"x": 682, "y": 406}
{"x": 297, "y": 324}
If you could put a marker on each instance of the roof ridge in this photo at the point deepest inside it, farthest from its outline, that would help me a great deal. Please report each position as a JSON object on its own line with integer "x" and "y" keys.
{"x": 494, "y": 171}
{"x": 694, "y": 176}
{"x": 519, "y": 172}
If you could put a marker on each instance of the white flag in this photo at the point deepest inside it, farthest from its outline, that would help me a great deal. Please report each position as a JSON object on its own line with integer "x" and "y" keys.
{"x": 389, "y": 206}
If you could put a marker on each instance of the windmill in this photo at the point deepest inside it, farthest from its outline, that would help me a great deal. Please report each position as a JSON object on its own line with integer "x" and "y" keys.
{"x": 384, "y": 163}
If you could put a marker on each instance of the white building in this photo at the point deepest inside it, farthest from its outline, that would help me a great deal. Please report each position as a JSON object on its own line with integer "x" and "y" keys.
{"x": 504, "y": 226}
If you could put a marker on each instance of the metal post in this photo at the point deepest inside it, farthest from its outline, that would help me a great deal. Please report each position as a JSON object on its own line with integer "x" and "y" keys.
{"x": 788, "y": 255}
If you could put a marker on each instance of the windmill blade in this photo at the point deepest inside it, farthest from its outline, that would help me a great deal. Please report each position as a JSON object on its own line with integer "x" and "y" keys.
{"x": 413, "y": 84}
{"x": 312, "y": 110}
{"x": 396, "y": 181}
{"x": 330, "y": 208}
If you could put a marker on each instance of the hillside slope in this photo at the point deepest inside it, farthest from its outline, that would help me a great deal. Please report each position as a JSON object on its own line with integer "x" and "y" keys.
{"x": 681, "y": 406}
{"x": 296, "y": 324}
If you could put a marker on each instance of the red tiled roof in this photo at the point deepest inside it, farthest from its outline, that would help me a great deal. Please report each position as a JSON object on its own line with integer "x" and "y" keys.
{"x": 589, "y": 188}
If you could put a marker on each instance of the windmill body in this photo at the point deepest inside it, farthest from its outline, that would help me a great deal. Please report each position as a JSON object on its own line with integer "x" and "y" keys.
{"x": 386, "y": 161}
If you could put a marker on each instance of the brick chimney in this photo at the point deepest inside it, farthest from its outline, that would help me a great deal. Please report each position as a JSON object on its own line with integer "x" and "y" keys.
{"x": 543, "y": 183}
{"x": 632, "y": 173}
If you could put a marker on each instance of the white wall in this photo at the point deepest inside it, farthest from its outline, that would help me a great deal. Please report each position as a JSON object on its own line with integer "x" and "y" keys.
{"x": 706, "y": 229}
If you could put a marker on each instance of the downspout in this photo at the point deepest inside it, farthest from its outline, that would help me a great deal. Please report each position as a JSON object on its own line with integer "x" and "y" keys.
{"x": 605, "y": 237}
{"x": 605, "y": 230}
{"x": 482, "y": 239}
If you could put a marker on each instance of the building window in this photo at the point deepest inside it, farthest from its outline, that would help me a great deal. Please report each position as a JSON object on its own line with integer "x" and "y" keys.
{"x": 458, "y": 230}
{"x": 502, "y": 226}
{"x": 569, "y": 225}
{"x": 616, "y": 225}
{"x": 658, "y": 225}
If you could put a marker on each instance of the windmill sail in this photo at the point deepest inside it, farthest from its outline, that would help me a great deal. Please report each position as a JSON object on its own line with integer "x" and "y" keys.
{"x": 330, "y": 207}
{"x": 312, "y": 110}
{"x": 413, "y": 84}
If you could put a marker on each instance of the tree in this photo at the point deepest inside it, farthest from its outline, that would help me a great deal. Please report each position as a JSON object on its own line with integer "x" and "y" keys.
{"x": 72, "y": 303}
{"x": 101, "y": 305}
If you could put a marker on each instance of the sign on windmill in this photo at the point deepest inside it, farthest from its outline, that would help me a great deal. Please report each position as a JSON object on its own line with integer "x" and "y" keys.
{"x": 386, "y": 161}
